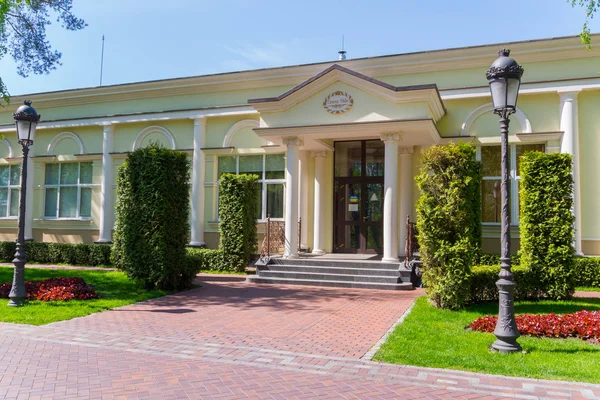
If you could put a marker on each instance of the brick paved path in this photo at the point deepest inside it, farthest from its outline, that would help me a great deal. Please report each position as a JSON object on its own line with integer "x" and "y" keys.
{"x": 231, "y": 340}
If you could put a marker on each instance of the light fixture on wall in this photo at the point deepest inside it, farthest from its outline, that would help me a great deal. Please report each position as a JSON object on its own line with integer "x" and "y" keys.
{"x": 504, "y": 77}
{"x": 26, "y": 120}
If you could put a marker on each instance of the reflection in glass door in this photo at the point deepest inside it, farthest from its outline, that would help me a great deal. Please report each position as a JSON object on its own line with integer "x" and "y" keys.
{"x": 358, "y": 208}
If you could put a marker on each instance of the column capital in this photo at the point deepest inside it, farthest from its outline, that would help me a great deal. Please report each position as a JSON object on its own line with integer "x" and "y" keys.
{"x": 292, "y": 141}
{"x": 391, "y": 137}
{"x": 318, "y": 153}
{"x": 406, "y": 149}
{"x": 199, "y": 121}
{"x": 108, "y": 126}
{"x": 568, "y": 95}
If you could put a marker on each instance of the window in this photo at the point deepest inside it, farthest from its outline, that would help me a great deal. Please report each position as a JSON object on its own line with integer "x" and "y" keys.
{"x": 270, "y": 169}
{"x": 491, "y": 202}
{"x": 68, "y": 190}
{"x": 10, "y": 180}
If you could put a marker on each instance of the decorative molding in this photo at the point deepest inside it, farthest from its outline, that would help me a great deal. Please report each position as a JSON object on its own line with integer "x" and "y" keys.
{"x": 568, "y": 95}
{"x": 318, "y": 154}
{"x": 153, "y": 129}
{"x": 391, "y": 137}
{"x": 61, "y": 136}
{"x": 199, "y": 121}
{"x": 235, "y": 128}
{"x": 8, "y": 146}
{"x": 292, "y": 141}
{"x": 145, "y": 117}
{"x": 489, "y": 107}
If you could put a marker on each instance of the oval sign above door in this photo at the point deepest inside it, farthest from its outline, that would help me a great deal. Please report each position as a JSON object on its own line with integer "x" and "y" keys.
{"x": 338, "y": 102}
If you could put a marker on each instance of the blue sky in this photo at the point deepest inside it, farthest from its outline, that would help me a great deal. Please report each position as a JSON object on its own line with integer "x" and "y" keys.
{"x": 157, "y": 39}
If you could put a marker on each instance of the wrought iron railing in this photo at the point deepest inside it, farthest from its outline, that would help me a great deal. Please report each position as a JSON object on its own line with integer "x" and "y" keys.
{"x": 274, "y": 240}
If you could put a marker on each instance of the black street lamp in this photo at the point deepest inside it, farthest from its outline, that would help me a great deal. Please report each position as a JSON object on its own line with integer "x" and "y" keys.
{"x": 504, "y": 77}
{"x": 26, "y": 119}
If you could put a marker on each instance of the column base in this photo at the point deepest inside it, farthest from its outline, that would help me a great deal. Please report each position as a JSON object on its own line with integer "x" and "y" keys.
{"x": 318, "y": 252}
{"x": 30, "y": 239}
{"x": 390, "y": 259}
{"x": 291, "y": 256}
{"x": 197, "y": 244}
{"x": 103, "y": 241}
{"x": 508, "y": 345}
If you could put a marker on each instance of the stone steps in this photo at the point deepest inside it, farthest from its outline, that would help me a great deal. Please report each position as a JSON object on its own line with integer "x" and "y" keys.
{"x": 361, "y": 274}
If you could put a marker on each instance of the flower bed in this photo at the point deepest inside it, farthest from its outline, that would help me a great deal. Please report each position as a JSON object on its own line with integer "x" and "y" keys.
{"x": 581, "y": 324}
{"x": 52, "y": 289}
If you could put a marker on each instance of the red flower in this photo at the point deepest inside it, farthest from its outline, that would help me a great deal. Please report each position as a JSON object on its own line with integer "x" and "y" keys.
{"x": 52, "y": 289}
{"x": 581, "y": 324}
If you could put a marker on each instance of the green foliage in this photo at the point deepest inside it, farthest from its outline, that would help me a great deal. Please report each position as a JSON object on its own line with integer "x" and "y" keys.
{"x": 60, "y": 253}
{"x": 587, "y": 271}
{"x": 152, "y": 211}
{"x": 483, "y": 283}
{"x": 449, "y": 221}
{"x": 591, "y": 7}
{"x": 209, "y": 259}
{"x": 238, "y": 197}
{"x": 23, "y": 34}
{"x": 546, "y": 222}
{"x": 494, "y": 259}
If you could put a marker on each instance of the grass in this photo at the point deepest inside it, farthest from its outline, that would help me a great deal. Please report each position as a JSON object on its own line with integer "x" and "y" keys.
{"x": 430, "y": 337}
{"x": 587, "y": 289}
{"x": 114, "y": 288}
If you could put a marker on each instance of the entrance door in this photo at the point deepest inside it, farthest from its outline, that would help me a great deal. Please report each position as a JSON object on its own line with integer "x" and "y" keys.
{"x": 358, "y": 204}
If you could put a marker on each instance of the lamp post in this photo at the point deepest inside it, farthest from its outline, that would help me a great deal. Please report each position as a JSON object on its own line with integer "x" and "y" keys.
{"x": 504, "y": 77}
{"x": 26, "y": 119}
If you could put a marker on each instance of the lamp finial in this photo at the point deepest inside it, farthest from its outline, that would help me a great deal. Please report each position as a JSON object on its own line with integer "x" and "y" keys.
{"x": 504, "y": 52}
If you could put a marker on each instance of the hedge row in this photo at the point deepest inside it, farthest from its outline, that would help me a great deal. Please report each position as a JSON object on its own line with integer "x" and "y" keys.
{"x": 586, "y": 271}
{"x": 60, "y": 253}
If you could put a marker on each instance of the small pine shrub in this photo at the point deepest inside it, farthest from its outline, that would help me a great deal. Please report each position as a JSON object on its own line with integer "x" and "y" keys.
{"x": 546, "y": 222}
{"x": 238, "y": 197}
{"x": 449, "y": 221}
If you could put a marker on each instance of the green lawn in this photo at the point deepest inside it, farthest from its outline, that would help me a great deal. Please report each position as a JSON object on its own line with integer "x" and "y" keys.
{"x": 430, "y": 337}
{"x": 113, "y": 287}
{"x": 587, "y": 289}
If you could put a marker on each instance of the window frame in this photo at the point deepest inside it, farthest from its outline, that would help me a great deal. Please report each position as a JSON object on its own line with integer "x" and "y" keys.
{"x": 60, "y": 185}
{"x": 263, "y": 181}
{"x": 10, "y": 188}
{"x": 513, "y": 178}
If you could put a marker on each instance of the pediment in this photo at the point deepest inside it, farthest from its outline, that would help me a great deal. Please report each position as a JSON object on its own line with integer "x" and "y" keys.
{"x": 427, "y": 94}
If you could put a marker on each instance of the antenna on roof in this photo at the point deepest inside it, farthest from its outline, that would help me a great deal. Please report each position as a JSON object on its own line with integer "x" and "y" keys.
{"x": 342, "y": 52}
{"x": 102, "y": 61}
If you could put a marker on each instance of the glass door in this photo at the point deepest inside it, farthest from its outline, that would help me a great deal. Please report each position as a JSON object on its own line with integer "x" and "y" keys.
{"x": 358, "y": 204}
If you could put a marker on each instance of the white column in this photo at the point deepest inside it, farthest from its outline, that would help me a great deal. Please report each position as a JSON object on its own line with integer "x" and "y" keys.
{"x": 106, "y": 203}
{"x": 303, "y": 199}
{"x": 198, "y": 166}
{"x": 291, "y": 197}
{"x": 570, "y": 145}
{"x": 29, "y": 197}
{"x": 390, "y": 198}
{"x": 319, "y": 221}
{"x": 406, "y": 185}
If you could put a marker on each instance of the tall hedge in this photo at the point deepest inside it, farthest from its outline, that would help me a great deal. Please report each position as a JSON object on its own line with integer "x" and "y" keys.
{"x": 546, "y": 221}
{"x": 152, "y": 210}
{"x": 449, "y": 221}
{"x": 238, "y": 196}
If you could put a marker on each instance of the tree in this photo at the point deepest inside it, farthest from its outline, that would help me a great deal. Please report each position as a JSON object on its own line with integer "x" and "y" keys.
{"x": 590, "y": 6}
{"x": 23, "y": 34}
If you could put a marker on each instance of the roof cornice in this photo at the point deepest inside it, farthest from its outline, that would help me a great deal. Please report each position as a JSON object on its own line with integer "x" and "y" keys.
{"x": 418, "y": 62}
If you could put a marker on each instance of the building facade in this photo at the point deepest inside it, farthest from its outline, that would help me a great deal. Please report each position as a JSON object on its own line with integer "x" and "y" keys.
{"x": 334, "y": 144}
